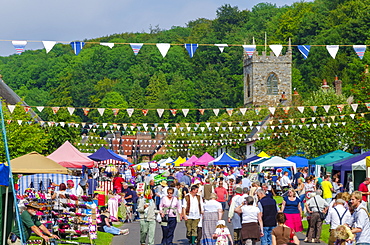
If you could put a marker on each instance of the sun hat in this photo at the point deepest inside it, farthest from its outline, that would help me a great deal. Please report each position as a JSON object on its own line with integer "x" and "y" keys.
{"x": 34, "y": 205}
{"x": 221, "y": 222}
{"x": 164, "y": 183}
{"x": 239, "y": 190}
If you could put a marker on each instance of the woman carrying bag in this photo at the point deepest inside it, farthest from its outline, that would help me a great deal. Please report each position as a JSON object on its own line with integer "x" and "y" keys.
{"x": 170, "y": 210}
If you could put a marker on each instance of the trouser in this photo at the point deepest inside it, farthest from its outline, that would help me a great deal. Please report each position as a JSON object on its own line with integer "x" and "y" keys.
{"x": 315, "y": 226}
{"x": 147, "y": 229}
{"x": 191, "y": 227}
{"x": 16, "y": 242}
{"x": 332, "y": 238}
{"x": 167, "y": 231}
{"x": 237, "y": 235}
{"x": 112, "y": 230}
{"x": 199, "y": 235}
{"x": 223, "y": 204}
{"x": 266, "y": 239}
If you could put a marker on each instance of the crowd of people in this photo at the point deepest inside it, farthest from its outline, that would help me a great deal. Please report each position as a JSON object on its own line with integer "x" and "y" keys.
{"x": 205, "y": 198}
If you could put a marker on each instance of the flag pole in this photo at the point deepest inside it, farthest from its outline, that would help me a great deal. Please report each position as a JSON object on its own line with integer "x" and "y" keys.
{"x": 11, "y": 183}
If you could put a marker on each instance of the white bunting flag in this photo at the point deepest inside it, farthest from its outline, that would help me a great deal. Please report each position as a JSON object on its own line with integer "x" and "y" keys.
{"x": 221, "y": 47}
{"x": 130, "y": 111}
{"x": 101, "y": 111}
{"x": 111, "y": 45}
{"x": 11, "y": 108}
{"x": 48, "y": 45}
{"x": 70, "y": 110}
{"x": 243, "y": 110}
{"x": 326, "y": 107}
{"x": 352, "y": 116}
{"x": 160, "y": 112}
{"x": 185, "y": 112}
{"x": 163, "y": 48}
{"x": 40, "y": 108}
{"x": 333, "y": 50}
{"x": 276, "y": 48}
{"x": 300, "y": 109}
{"x": 272, "y": 110}
{"x": 354, "y": 107}
{"x": 216, "y": 111}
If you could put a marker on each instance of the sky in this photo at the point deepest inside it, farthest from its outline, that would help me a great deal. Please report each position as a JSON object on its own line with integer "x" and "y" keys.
{"x": 70, "y": 20}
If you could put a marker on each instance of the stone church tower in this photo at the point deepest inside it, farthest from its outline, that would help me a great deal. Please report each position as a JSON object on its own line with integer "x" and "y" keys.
{"x": 267, "y": 79}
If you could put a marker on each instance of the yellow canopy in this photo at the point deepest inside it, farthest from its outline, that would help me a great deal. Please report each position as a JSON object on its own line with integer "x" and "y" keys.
{"x": 263, "y": 154}
{"x": 178, "y": 161}
{"x": 368, "y": 161}
{"x": 35, "y": 163}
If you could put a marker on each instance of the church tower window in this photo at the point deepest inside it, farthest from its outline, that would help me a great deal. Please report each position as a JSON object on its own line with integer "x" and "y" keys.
{"x": 272, "y": 84}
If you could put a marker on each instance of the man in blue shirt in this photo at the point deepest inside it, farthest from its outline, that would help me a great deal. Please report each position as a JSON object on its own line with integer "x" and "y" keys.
{"x": 359, "y": 222}
{"x": 128, "y": 193}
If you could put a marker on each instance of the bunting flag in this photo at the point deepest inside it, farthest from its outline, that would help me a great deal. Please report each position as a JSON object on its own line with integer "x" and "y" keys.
{"x": 163, "y": 48}
{"x": 130, "y": 111}
{"x": 11, "y": 108}
{"x": 360, "y": 50}
{"x": 191, "y": 48}
{"x": 326, "y": 107}
{"x": 173, "y": 111}
{"x": 300, "y": 109}
{"x": 243, "y": 110}
{"x": 249, "y": 49}
{"x": 110, "y": 45}
{"x": 276, "y": 48}
{"x": 19, "y": 46}
{"x": 229, "y": 111}
{"x": 136, "y": 47}
{"x": 257, "y": 110}
{"x": 55, "y": 109}
{"x": 216, "y": 111}
{"x": 354, "y": 107}
{"x": 221, "y": 47}
{"x": 272, "y": 110}
{"x": 40, "y": 108}
{"x": 101, "y": 111}
{"x": 286, "y": 109}
{"x": 313, "y": 108}
{"x": 70, "y": 110}
{"x": 333, "y": 50}
{"x": 115, "y": 111}
{"x": 160, "y": 112}
{"x": 201, "y": 111}
{"x": 48, "y": 45}
{"x": 185, "y": 112}
{"x": 86, "y": 111}
{"x": 340, "y": 107}
{"x": 145, "y": 111}
{"x": 77, "y": 47}
{"x": 26, "y": 108}
{"x": 304, "y": 49}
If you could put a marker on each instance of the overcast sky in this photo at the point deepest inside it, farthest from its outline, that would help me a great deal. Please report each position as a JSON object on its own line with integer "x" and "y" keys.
{"x": 71, "y": 20}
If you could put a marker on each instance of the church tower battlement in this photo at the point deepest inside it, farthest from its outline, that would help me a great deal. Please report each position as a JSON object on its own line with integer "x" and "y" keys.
{"x": 267, "y": 78}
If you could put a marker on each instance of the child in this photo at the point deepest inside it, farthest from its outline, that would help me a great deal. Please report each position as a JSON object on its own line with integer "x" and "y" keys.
{"x": 222, "y": 234}
{"x": 343, "y": 233}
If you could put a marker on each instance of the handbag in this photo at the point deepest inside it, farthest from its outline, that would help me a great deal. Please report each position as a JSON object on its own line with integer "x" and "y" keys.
{"x": 322, "y": 215}
{"x": 165, "y": 218}
{"x": 159, "y": 218}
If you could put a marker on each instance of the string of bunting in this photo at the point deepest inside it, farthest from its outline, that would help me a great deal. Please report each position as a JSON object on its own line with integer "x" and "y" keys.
{"x": 191, "y": 48}
{"x": 185, "y": 112}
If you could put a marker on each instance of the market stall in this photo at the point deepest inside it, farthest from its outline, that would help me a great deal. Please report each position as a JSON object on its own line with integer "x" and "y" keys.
{"x": 68, "y": 156}
{"x": 225, "y": 160}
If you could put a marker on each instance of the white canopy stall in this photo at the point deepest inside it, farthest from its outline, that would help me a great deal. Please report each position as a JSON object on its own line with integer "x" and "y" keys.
{"x": 276, "y": 162}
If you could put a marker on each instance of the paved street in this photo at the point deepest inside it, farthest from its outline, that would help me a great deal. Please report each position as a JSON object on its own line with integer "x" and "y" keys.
{"x": 180, "y": 235}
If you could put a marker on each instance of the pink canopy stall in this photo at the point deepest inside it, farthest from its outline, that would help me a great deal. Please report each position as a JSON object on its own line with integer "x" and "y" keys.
{"x": 190, "y": 161}
{"x": 204, "y": 160}
{"x": 68, "y": 156}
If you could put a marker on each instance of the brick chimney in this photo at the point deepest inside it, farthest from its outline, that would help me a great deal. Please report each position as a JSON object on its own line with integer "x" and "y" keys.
{"x": 324, "y": 84}
{"x": 338, "y": 86}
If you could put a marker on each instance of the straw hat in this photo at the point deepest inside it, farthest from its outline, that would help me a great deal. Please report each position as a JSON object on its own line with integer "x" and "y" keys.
{"x": 34, "y": 205}
{"x": 164, "y": 183}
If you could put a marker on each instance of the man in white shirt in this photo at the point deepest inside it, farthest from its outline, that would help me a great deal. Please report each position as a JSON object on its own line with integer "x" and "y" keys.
{"x": 338, "y": 215}
{"x": 285, "y": 181}
{"x": 192, "y": 210}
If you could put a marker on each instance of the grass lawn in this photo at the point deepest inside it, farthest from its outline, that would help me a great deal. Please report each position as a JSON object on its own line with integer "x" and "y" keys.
{"x": 325, "y": 228}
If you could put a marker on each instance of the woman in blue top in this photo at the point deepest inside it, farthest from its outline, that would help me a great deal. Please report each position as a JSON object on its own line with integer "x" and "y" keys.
{"x": 292, "y": 209}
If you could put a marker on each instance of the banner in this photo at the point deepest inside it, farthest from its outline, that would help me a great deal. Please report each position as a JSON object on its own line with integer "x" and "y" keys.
{"x": 136, "y": 47}
{"x": 77, "y": 47}
{"x": 249, "y": 49}
{"x": 48, "y": 45}
{"x": 333, "y": 50}
{"x": 19, "y": 46}
{"x": 221, "y": 47}
{"x": 191, "y": 48}
{"x": 304, "y": 49}
{"x": 163, "y": 48}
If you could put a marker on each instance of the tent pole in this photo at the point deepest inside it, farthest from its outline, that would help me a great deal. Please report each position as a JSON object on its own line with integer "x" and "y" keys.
{"x": 11, "y": 180}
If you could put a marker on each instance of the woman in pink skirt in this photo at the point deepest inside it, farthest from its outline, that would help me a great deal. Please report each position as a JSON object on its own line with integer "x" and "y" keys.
{"x": 292, "y": 209}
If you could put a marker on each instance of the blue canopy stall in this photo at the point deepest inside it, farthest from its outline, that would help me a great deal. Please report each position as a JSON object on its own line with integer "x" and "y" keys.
{"x": 299, "y": 161}
{"x": 225, "y": 159}
{"x": 104, "y": 154}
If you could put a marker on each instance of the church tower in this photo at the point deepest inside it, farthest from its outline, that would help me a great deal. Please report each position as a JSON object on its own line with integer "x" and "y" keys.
{"x": 267, "y": 79}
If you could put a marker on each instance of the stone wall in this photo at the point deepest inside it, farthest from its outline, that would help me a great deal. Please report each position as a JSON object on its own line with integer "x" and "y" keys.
{"x": 259, "y": 67}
